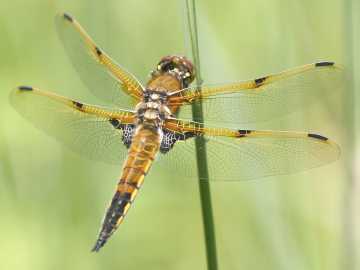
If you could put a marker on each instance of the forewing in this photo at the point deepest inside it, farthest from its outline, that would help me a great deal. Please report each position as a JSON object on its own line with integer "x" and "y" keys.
{"x": 245, "y": 155}
{"x": 83, "y": 128}
{"x": 264, "y": 98}
{"x": 103, "y": 76}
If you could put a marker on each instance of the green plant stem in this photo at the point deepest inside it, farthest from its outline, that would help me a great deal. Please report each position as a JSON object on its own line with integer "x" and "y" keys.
{"x": 349, "y": 196}
{"x": 201, "y": 157}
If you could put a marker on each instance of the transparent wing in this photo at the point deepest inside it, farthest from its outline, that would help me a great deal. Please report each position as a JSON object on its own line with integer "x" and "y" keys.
{"x": 102, "y": 75}
{"x": 246, "y": 154}
{"x": 263, "y": 98}
{"x": 88, "y": 130}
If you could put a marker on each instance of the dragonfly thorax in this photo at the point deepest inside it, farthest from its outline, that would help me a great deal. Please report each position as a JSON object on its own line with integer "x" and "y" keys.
{"x": 152, "y": 110}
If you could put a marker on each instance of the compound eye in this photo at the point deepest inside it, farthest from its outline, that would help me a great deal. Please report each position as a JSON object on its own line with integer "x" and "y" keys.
{"x": 169, "y": 66}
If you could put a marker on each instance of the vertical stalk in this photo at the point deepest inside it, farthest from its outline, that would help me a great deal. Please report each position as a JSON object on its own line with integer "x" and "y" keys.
{"x": 201, "y": 157}
{"x": 349, "y": 253}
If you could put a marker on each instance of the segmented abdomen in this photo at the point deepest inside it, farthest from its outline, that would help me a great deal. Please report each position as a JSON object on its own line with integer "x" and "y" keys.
{"x": 144, "y": 147}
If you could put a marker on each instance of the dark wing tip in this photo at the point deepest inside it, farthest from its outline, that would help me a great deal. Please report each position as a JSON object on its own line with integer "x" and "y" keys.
{"x": 68, "y": 17}
{"x": 317, "y": 136}
{"x": 25, "y": 88}
{"x": 324, "y": 64}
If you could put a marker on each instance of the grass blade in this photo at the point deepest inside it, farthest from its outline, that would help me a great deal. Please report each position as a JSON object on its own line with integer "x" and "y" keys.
{"x": 197, "y": 112}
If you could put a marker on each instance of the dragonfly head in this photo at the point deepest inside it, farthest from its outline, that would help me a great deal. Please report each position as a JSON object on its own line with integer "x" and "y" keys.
{"x": 179, "y": 66}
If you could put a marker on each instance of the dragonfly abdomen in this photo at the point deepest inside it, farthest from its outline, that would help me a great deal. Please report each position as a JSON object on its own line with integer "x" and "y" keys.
{"x": 144, "y": 147}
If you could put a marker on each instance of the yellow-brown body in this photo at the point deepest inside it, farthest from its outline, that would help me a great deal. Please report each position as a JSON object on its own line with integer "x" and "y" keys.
{"x": 146, "y": 141}
{"x": 142, "y": 152}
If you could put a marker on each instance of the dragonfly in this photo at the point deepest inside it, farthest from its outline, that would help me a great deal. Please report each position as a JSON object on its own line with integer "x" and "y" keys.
{"x": 153, "y": 123}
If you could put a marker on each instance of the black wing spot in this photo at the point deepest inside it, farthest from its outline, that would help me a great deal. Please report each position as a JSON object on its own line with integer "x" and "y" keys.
{"x": 78, "y": 104}
{"x": 114, "y": 122}
{"x": 317, "y": 136}
{"x": 25, "y": 88}
{"x": 98, "y": 51}
{"x": 68, "y": 17}
{"x": 260, "y": 81}
{"x": 244, "y": 132}
{"x": 324, "y": 64}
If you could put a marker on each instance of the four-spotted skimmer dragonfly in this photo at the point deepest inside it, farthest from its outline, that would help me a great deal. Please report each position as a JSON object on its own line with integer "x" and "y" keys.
{"x": 155, "y": 119}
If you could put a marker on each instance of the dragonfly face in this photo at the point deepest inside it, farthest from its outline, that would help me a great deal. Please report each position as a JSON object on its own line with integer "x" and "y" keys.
{"x": 177, "y": 66}
{"x": 161, "y": 123}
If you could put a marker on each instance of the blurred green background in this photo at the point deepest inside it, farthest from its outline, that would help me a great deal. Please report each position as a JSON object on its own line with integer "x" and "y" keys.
{"x": 52, "y": 201}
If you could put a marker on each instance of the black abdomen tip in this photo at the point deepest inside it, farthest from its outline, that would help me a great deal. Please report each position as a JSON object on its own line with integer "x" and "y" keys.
{"x": 25, "y": 88}
{"x": 317, "y": 136}
{"x": 324, "y": 64}
{"x": 98, "y": 245}
{"x": 68, "y": 17}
